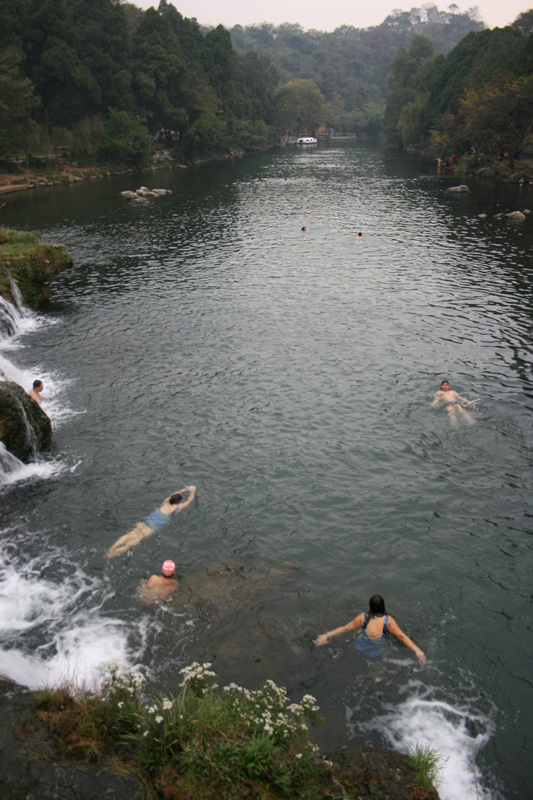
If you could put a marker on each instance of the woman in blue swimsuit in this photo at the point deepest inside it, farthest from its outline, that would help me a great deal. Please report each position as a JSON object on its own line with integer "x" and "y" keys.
{"x": 376, "y": 624}
{"x": 153, "y": 522}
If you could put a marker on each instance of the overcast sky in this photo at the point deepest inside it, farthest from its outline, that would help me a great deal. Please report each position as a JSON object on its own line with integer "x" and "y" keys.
{"x": 326, "y": 15}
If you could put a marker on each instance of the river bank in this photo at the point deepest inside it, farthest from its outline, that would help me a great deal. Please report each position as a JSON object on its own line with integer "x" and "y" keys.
{"x": 55, "y": 744}
{"x": 58, "y": 171}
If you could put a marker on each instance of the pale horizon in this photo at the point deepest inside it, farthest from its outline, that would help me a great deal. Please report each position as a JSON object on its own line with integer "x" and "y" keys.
{"x": 326, "y": 17}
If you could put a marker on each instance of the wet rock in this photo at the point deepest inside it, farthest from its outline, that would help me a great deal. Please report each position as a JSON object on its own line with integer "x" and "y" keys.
{"x": 376, "y": 774}
{"x": 517, "y": 216}
{"x": 486, "y": 172}
{"x": 143, "y": 191}
{"x": 32, "y": 770}
{"x": 24, "y": 427}
{"x": 245, "y": 620}
{"x": 482, "y": 216}
{"x": 457, "y": 189}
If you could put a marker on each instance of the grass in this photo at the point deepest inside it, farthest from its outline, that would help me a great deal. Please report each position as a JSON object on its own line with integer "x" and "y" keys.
{"x": 32, "y": 264}
{"x": 426, "y": 764}
{"x": 204, "y": 742}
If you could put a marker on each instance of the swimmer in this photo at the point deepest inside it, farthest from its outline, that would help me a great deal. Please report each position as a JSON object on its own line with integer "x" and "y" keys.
{"x": 304, "y": 228}
{"x": 359, "y": 235}
{"x": 154, "y": 522}
{"x": 160, "y": 587}
{"x": 376, "y": 624}
{"x": 452, "y": 401}
{"x": 35, "y": 393}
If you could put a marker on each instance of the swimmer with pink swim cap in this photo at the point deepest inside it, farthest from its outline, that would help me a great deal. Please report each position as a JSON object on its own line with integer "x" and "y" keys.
{"x": 160, "y": 587}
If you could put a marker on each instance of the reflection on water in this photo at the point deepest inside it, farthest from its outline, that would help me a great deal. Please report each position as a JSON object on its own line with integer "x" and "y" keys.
{"x": 205, "y": 338}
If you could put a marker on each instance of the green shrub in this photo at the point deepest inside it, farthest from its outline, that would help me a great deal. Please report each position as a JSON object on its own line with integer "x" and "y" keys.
{"x": 425, "y": 763}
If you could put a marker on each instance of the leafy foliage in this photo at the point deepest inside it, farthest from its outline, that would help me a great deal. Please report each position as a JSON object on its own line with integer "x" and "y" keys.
{"x": 479, "y": 97}
{"x": 204, "y": 740}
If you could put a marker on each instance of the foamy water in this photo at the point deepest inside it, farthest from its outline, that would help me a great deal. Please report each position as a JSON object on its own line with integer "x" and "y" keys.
{"x": 447, "y": 730}
{"x": 76, "y": 639}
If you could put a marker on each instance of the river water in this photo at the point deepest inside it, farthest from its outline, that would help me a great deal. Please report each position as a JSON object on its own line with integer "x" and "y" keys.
{"x": 203, "y": 337}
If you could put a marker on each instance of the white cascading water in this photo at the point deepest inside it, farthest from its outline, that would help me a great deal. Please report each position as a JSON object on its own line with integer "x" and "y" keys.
{"x": 79, "y": 641}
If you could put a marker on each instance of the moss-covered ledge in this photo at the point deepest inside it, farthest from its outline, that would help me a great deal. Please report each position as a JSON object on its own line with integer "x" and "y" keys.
{"x": 33, "y": 265}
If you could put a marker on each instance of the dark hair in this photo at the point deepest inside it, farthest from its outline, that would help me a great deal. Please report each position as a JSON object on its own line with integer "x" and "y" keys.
{"x": 175, "y": 498}
{"x": 37, "y": 383}
{"x": 444, "y": 381}
{"x": 376, "y": 606}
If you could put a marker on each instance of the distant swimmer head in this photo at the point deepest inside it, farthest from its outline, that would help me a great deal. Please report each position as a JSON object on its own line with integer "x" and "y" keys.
{"x": 376, "y": 605}
{"x": 168, "y": 569}
{"x": 304, "y": 228}
{"x": 175, "y": 498}
{"x": 37, "y": 384}
{"x": 359, "y": 235}
{"x": 445, "y": 386}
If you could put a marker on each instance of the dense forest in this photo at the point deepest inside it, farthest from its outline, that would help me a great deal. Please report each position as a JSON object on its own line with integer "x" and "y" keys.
{"x": 477, "y": 99}
{"x": 101, "y": 76}
{"x": 351, "y": 66}
{"x": 103, "y": 79}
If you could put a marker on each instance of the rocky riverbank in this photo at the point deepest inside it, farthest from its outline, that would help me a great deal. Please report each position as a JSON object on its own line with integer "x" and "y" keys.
{"x": 35, "y": 766}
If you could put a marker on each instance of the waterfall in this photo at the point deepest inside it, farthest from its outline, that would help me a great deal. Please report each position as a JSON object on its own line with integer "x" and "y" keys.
{"x": 17, "y": 296}
{"x": 9, "y": 464}
{"x": 31, "y": 438}
{"x": 9, "y": 319}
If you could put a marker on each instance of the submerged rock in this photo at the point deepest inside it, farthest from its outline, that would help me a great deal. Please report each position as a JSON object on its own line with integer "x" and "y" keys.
{"x": 24, "y": 427}
{"x": 457, "y": 189}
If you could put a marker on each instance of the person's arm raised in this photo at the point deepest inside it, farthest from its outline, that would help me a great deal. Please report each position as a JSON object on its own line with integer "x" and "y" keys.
{"x": 188, "y": 501}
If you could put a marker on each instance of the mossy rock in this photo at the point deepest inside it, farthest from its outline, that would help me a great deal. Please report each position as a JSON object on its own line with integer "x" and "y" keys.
{"x": 24, "y": 427}
{"x": 32, "y": 264}
{"x": 376, "y": 774}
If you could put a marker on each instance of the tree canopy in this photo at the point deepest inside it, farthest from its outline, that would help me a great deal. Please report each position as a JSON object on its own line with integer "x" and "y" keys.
{"x": 480, "y": 95}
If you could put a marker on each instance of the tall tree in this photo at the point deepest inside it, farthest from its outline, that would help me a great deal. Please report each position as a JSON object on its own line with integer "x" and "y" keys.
{"x": 300, "y": 106}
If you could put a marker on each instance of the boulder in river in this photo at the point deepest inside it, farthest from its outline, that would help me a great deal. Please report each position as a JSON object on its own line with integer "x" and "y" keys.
{"x": 458, "y": 189}
{"x": 144, "y": 191}
{"x": 517, "y": 216}
{"x": 24, "y": 427}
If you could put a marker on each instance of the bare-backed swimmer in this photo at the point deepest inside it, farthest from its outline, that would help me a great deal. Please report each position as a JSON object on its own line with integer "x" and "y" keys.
{"x": 153, "y": 522}
{"x": 36, "y": 390}
{"x": 452, "y": 401}
{"x": 160, "y": 587}
{"x": 375, "y": 624}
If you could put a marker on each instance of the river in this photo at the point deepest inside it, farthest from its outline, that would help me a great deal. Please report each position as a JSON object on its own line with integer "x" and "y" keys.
{"x": 203, "y": 337}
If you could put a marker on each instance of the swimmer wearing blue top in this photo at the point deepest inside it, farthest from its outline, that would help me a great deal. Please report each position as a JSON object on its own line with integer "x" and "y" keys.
{"x": 375, "y": 625}
{"x": 153, "y": 522}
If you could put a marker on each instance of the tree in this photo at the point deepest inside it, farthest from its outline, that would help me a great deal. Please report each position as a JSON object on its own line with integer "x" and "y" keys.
{"x": 300, "y": 106}
{"x": 126, "y": 138}
{"x": 16, "y": 101}
{"x": 405, "y": 114}
{"x": 497, "y": 118}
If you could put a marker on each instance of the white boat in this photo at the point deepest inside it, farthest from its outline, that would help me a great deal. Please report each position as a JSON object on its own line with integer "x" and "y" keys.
{"x": 306, "y": 140}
